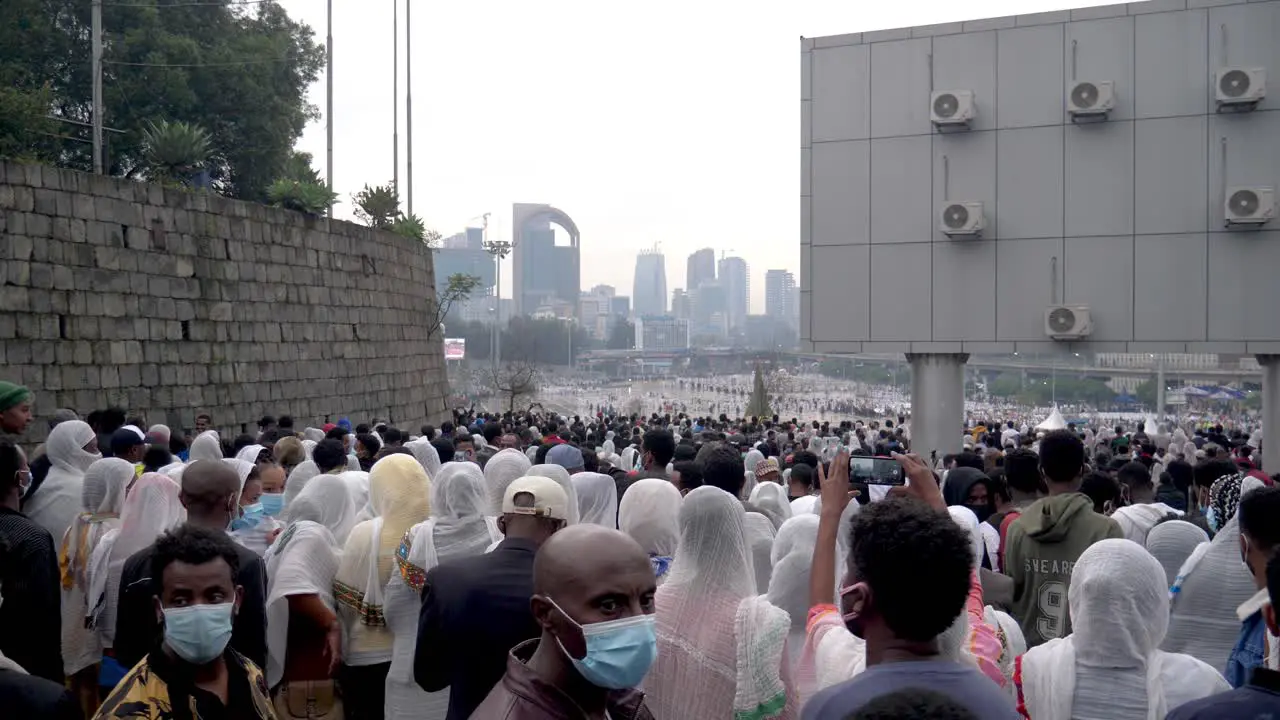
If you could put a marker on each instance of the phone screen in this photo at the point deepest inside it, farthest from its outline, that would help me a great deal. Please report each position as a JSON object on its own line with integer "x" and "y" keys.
{"x": 875, "y": 471}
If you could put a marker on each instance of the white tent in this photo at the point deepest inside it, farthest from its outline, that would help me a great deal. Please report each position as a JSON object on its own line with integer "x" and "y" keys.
{"x": 1053, "y": 422}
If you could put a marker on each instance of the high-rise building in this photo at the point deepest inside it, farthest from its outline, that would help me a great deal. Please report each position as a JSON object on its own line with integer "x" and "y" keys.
{"x": 605, "y": 290}
{"x": 780, "y": 297}
{"x": 680, "y": 306}
{"x": 594, "y": 314}
{"x": 621, "y": 306}
{"x": 650, "y": 292}
{"x": 736, "y": 281}
{"x": 464, "y": 254}
{"x": 661, "y": 333}
{"x": 545, "y": 274}
{"x": 701, "y": 268}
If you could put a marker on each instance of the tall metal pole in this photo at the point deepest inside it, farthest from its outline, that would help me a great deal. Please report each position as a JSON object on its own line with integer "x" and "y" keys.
{"x": 395, "y": 94}
{"x": 408, "y": 97}
{"x": 96, "y": 20}
{"x": 328, "y": 113}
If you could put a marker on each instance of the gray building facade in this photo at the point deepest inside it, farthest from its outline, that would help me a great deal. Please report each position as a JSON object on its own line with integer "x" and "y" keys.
{"x": 543, "y": 272}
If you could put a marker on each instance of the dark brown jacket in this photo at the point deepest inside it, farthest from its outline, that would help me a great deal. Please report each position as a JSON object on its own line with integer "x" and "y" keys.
{"x": 522, "y": 695}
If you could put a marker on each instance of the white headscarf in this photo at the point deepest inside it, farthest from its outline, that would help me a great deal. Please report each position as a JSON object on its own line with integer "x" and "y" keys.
{"x": 760, "y": 534}
{"x": 426, "y": 454}
{"x": 753, "y": 458}
{"x": 1110, "y": 666}
{"x": 325, "y": 501}
{"x": 174, "y": 471}
{"x": 792, "y": 558}
{"x": 206, "y": 446}
{"x": 102, "y": 500}
{"x": 597, "y": 498}
{"x": 358, "y": 488}
{"x": 250, "y": 453}
{"x": 770, "y": 499}
{"x": 243, "y": 469}
{"x": 712, "y": 556}
{"x": 160, "y": 431}
{"x": 629, "y": 458}
{"x": 315, "y": 435}
{"x": 298, "y": 478}
{"x": 649, "y": 513}
{"x": 1171, "y": 543}
{"x": 151, "y": 508}
{"x": 57, "y": 502}
{"x": 502, "y": 470}
{"x": 560, "y": 475}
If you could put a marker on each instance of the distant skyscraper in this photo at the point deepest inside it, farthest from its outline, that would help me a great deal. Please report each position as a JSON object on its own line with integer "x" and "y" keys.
{"x": 780, "y": 301}
{"x": 650, "y": 292}
{"x": 464, "y": 254}
{"x": 701, "y": 268}
{"x": 543, "y": 272}
{"x": 736, "y": 281}
{"x": 680, "y": 306}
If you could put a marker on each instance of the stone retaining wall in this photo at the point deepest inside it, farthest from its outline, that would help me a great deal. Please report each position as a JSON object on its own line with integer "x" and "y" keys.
{"x": 170, "y": 303}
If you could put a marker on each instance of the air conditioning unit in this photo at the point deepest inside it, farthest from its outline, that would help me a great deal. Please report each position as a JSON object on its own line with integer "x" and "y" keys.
{"x": 1067, "y": 322}
{"x": 1086, "y": 98}
{"x": 1240, "y": 88}
{"x": 949, "y": 108}
{"x": 1250, "y": 205}
{"x": 961, "y": 219}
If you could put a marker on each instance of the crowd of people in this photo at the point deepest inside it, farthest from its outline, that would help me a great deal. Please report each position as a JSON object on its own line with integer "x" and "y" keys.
{"x": 632, "y": 567}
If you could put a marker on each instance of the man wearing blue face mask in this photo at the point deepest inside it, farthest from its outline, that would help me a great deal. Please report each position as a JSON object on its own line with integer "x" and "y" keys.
{"x": 593, "y": 597}
{"x": 190, "y": 671}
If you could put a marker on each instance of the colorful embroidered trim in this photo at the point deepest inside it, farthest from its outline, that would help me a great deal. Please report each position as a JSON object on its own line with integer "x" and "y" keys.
{"x": 354, "y": 599}
{"x": 414, "y": 576}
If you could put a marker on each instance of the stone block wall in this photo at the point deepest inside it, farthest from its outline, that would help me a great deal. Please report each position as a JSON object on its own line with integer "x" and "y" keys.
{"x": 171, "y": 303}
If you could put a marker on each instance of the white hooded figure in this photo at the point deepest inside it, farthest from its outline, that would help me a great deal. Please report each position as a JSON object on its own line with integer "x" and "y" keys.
{"x": 1111, "y": 665}
{"x": 792, "y": 558}
{"x": 648, "y": 513}
{"x": 57, "y": 503}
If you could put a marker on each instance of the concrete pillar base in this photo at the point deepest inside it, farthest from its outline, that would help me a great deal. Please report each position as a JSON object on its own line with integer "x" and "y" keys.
{"x": 937, "y": 403}
{"x": 1270, "y": 412}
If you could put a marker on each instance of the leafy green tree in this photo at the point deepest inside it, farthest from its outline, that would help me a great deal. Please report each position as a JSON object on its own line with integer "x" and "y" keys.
{"x": 26, "y": 133}
{"x": 298, "y": 167}
{"x": 240, "y": 71}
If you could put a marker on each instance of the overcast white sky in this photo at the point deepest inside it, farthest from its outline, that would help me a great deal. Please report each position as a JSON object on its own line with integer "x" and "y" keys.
{"x": 670, "y": 121}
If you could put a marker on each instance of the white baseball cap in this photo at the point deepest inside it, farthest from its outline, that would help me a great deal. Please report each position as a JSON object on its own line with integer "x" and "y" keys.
{"x": 549, "y": 499}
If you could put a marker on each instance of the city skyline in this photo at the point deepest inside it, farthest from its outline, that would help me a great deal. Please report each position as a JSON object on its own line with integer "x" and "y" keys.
{"x": 650, "y": 149}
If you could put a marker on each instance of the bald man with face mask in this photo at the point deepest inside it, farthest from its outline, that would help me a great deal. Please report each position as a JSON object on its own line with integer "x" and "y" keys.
{"x": 593, "y": 598}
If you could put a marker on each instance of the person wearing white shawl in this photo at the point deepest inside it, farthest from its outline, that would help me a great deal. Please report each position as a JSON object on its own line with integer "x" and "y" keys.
{"x": 502, "y": 470}
{"x": 250, "y": 453}
{"x": 173, "y": 471}
{"x": 252, "y": 527}
{"x": 298, "y": 479}
{"x": 770, "y": 499}
{"x": 561, "y": 476}
{"x": 457, "y": 528}
{"x": 315, "y": 435}
{"x": 792, "y": 558}
{"x": 426, "y": 454}
{"x": 151, "y": 507}
{"x": 206, "y": 446}
{"x": 399, "y": 493}
{"x": 102, "y": 500}
{"x": 721, "y": 647}
{"x": 71, "y": 448}
{"x": 1110, "y": 666}
{"x": 597, "y": 498}
{"x": 649, "y": 513}
{"x": 760, "y": 535}
{"x": 301, "y": 565}
{"x": 357, "y": 482}
{"x": 1171, "y": 543}
{"x": 628, "y": 458}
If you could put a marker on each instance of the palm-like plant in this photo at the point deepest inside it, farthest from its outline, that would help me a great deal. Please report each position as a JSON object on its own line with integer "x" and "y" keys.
{"x": 378, "y": 206}
{"x": 175, "y": 151}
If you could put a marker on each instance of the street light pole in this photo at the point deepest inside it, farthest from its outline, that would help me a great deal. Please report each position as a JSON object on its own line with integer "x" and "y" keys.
{"x": 395, "y": 94}
{"x": 96, "y": 21}
{"x": 328, "y": 113}
{"x": 499, "y": 250}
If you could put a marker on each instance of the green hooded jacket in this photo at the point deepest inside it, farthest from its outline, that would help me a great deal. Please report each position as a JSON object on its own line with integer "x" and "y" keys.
{"x": 1041, "y": 548}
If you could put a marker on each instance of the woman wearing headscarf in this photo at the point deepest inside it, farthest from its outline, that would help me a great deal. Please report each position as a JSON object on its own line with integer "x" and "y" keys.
{"x": 1212, "y": 583}
{"x": 971, "y": 639}
{"x": 561, "y": 476}
{"x": 1110, "y": 666}
{"x": 502, "y": 470}
{"x": 150, "y": 508}
{"x": 1171, "y": 543}
{"x": 597, "y": 498}
{"x": 304, "y": 636}
{"x": 770, "y": 499}
{"x": 649, "y": 513}
{"x": 206, "y": 446}
{"x": 792, "y": 558}
{"x": 721, "y": 647}
{"x": 628, "y": 458}
{"x": 101, "y": 502}
{"x": 252, "y": 528}
{"x": 72, "y": 448}
{"x": 398, "y": 494}
{"x": 426, "y": 454}
{"x": 760, "y": 535}
{"x": 971, "y": 488}
{"x": 298, "y": 479}
{"x": 457, "y": 528}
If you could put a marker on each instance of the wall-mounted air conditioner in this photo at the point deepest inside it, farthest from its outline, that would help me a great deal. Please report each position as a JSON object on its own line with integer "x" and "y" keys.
{"x": 1091, "y": 98}
{"x": 1067, "y": 322}
{"x": 961, "y": 219}
{"x": 1249, "y": 205}
{"x": 1240, "y": 88}
{"x": 952, "y": 108}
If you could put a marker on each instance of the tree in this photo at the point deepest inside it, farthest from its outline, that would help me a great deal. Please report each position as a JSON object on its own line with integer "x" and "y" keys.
{"x": 758, "y": 403}
{"x": 26, "y": 132}
{"x": 459, "y": 288}
{"x": 512, "y": 382}
{"x": 298, "y": 168}
{"x": 378, "y": 206}
{"x": 622, "y": 336}
{"x": 240, "y": 71}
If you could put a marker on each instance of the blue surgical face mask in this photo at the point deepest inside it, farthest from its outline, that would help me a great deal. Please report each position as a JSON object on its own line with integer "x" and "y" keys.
{"x": 272, "y": 503}
{"x": 252, "y": 515}
{"x": 619, "y": 652}
{"x": 1211, "y": 517}
{"x": 198, "y": 633}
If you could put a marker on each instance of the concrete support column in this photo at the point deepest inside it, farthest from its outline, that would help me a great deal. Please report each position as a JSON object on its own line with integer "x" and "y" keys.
{"x": 1270, "y": 412}
{"x": 937, "y": 403}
